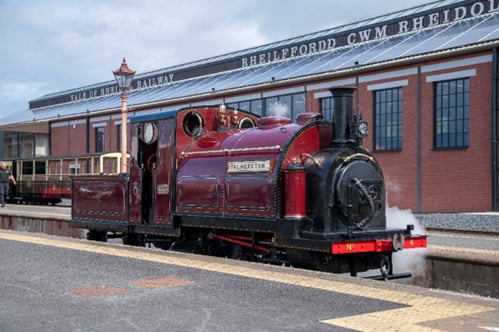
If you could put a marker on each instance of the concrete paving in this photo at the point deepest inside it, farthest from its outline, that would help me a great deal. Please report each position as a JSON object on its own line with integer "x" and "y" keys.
{"x": 62, "y": 284}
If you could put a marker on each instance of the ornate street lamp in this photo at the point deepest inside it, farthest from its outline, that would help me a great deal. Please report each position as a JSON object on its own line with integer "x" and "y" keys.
{"x": 124, "y": 77}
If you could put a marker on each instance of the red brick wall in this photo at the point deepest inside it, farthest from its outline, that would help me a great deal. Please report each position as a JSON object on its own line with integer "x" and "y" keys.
{"x": 451, "y": 180}
{"x": 70, "y": 137}
{"x": 78, "y": 137}
{"x": 58, "y": 139}
{"x": 460, "y": 180}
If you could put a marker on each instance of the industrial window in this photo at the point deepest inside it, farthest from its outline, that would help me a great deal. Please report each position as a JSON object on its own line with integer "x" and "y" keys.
{"x": 254, "y": 106}
{"x": 27, "y": 145}
{"x": 42, "y": 144}
{"x": 99, "y": 139}
{"x": 451, "y": 114}
{"x": 327, "y": 108}
{"x": 288, "y": 106}
{"x": 388, "y": 119}
{"x": 11, "y": 144}
{"x": 118, "y": 135}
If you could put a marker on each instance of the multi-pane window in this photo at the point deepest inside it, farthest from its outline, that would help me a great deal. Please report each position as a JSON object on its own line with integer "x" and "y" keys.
{"x": 42, "y": 144}
{"x": 11, "y": 144}
{"x": 388, "y": 119}
{"x": 33, "y": 167}
{"x": 327, "y": 108}
{"x": 451, "y": 114}
{"x": 288, "y": 106}
{"x": 26, "y": 141}
{"x": 254, "y": 106}
{"x": 24, "y": 145}
{"x": 99, "y": 139}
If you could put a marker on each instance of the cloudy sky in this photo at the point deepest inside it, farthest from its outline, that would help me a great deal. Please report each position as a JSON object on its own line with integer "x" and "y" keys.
{"x": 54, "y": 45}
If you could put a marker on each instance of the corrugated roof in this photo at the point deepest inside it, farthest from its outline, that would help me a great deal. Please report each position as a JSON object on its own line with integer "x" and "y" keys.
{"x": 476, "y": 30}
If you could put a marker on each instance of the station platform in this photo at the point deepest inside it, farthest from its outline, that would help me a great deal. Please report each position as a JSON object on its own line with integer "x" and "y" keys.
{"x": 66, "y": 284}
{"x": 463, "y": 261}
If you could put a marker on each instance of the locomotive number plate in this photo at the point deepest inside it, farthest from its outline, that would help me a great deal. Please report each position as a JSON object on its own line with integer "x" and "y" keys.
{"x": 251, "y": 166}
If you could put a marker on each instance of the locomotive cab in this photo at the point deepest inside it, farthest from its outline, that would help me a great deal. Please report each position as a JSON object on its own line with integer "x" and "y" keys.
{"x": 158, "y": 143}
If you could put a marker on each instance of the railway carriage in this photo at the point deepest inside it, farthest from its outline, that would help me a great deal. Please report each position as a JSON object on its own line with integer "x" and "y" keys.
{"x": 47, "y": 180}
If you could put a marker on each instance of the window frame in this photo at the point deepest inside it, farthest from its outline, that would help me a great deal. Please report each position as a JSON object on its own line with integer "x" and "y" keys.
{"x": 100, "y": 139}
{"x": 388, "y": 119}
{"x": 451, "y": 114}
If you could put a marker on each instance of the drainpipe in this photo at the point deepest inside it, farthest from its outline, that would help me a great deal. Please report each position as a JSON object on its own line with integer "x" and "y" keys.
{"x": 495, "y": 110}
{"x": 87, "y": 140}
{"x": 418, "y": 144}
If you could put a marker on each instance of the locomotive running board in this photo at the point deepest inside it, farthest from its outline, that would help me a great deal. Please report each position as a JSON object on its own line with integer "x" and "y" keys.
{"x": 391, "y": 276}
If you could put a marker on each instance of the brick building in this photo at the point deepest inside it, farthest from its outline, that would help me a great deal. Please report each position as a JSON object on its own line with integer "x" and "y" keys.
{"x": 426, "y": 78}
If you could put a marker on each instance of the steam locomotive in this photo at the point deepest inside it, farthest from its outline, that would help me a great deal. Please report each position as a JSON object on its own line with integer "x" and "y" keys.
{"x": 224, "y": 182}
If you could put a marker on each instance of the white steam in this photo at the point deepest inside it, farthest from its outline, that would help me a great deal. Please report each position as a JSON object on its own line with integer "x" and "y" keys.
{"x": 278, "y": 109}
{"x": 396, "y": 218}
{"x": 407, "y": 260}
{"x": 392, "y": 189}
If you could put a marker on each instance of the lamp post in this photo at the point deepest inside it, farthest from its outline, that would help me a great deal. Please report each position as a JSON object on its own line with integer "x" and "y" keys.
{"x": 124, "y": 77}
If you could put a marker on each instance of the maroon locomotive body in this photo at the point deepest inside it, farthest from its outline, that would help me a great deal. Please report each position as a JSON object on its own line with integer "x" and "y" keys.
{"x": 225, "y": 182}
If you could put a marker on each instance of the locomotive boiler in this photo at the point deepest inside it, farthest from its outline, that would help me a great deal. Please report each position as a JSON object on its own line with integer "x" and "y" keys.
{"x": 221, "y": 181}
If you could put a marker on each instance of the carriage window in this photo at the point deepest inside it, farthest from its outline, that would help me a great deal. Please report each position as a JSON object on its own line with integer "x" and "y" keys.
{"x": 27, "y": 168}
{"x": 40, "y": 167}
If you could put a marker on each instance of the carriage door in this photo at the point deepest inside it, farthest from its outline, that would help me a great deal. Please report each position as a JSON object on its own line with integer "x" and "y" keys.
{"x": 141, "y": 186}
{"x": 136, "y": 175}
{"x": 162, "y": 169}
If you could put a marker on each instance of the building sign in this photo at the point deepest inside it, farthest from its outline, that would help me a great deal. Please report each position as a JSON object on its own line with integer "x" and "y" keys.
{"x": 371, "y": 33}
{"x": 407, "y": 24}
{"x": 140, "y": 83}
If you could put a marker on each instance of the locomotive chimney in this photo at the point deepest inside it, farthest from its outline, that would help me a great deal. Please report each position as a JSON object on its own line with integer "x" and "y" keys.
{"x": 342, "y": 114}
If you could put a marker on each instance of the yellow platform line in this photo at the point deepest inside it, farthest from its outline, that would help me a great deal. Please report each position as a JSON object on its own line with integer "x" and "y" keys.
{"x": 481, "y": 252}
{"x": 420, "y": 309}
{"x": 462, "y": 236}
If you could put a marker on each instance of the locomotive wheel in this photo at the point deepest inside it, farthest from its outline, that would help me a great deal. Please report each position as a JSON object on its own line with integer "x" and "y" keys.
{"x": 94, "y": 235}
{"x": 236, "y": 252}
{"x": 134, "y": 239}
{"x": 385, "y": 267}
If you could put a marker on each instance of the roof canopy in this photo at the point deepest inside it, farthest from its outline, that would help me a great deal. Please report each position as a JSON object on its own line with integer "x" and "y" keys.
{"x": 434, "y": 29}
